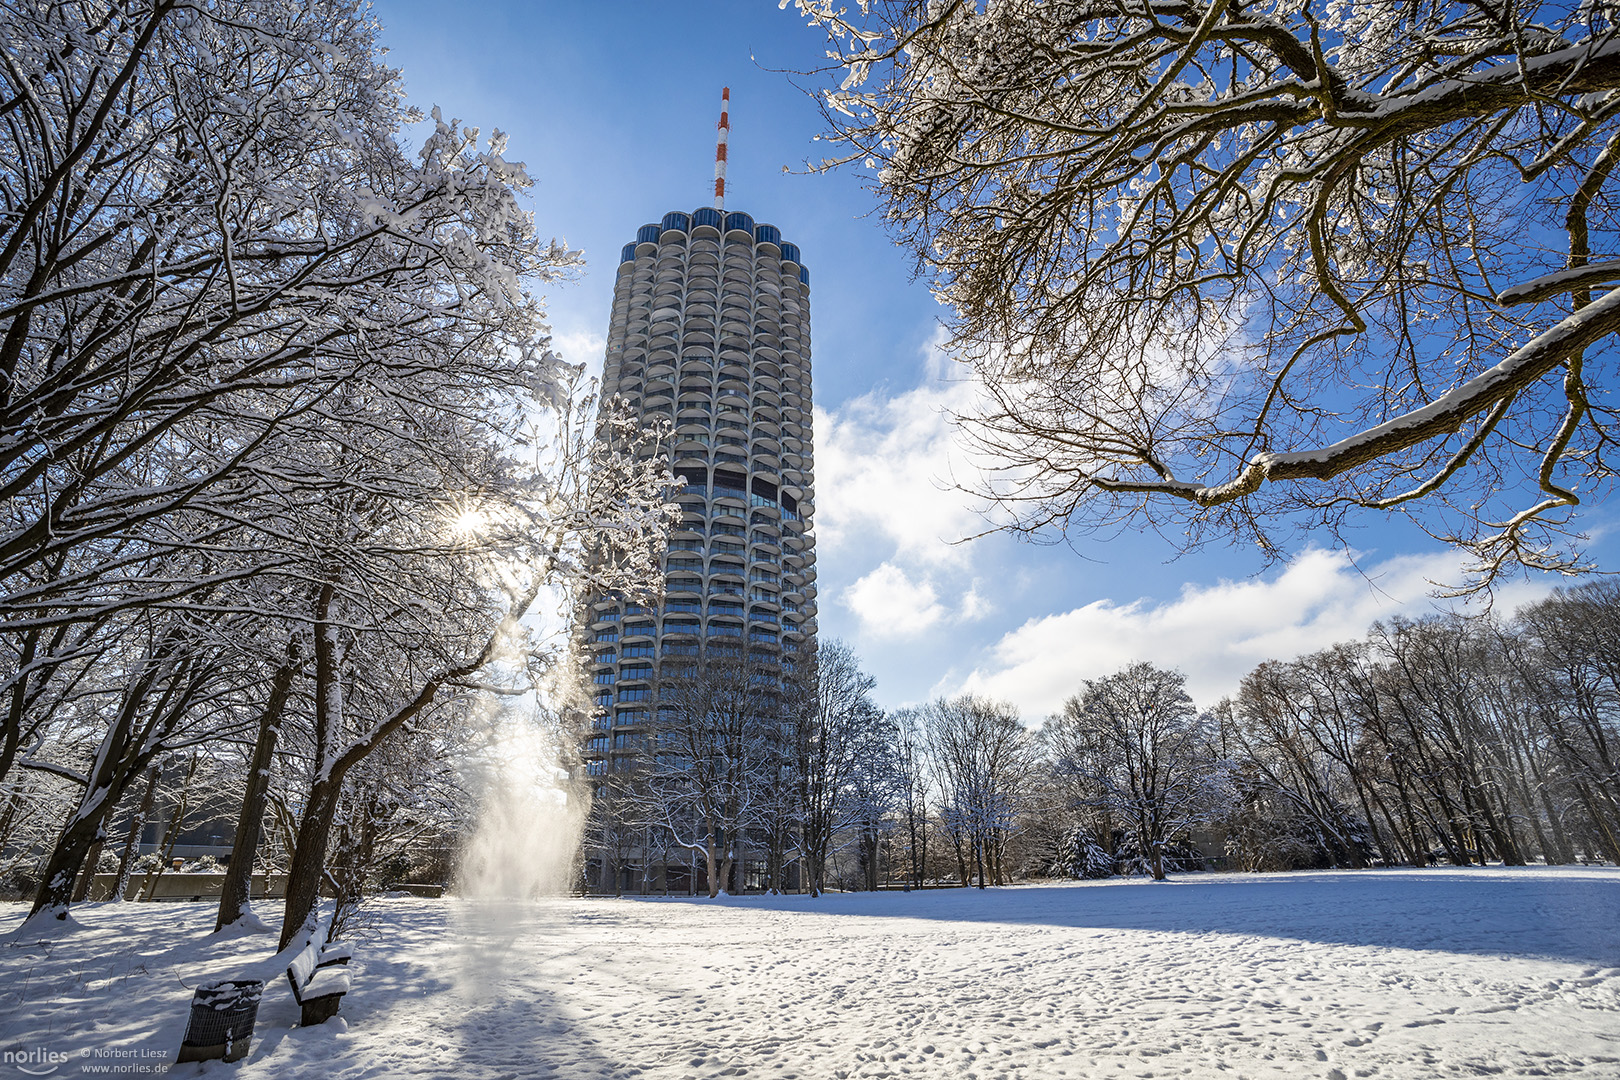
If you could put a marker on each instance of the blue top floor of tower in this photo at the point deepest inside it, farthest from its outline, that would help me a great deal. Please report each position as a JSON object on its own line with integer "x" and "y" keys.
{"x": 721, "y": 221}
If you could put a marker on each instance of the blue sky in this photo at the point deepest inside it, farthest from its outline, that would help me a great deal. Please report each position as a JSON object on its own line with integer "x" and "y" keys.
{"x": 613, "y": 108}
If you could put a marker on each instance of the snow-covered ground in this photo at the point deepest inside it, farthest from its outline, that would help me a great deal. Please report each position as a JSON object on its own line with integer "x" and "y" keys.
{"x": 1332, "y": 975}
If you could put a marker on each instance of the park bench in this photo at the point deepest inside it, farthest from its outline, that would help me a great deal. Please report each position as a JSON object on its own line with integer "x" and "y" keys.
{"x": 320, "y": 976}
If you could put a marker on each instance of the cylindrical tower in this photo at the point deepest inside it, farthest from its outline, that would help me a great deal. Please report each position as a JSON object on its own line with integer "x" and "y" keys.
{"x": 710, "y": 330}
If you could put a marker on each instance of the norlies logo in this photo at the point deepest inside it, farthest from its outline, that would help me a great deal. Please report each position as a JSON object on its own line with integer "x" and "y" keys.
{"x": 110, "y": 1060}
{"x": 36, "y": 1062}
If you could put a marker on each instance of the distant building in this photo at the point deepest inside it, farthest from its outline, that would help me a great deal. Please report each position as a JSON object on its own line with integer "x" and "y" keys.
{"x": 710, "y": 330}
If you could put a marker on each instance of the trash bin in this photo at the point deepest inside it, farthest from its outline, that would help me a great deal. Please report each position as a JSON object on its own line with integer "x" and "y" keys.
{"x": 221, "y": 1025}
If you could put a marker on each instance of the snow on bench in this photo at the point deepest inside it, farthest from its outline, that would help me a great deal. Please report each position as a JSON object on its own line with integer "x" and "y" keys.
{"x": 327, "y": 982}
{"x": 319, "y": 977}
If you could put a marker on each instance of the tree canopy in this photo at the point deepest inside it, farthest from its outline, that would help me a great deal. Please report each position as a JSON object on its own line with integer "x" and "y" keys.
{"x": 283, "y": 442}
{"x": 1237, "y": 266}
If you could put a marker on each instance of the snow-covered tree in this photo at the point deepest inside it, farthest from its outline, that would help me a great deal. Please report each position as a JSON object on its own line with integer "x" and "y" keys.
{"x": 1227, "y": 267}
{"x": 419, "y": 593}
{"x": 982, "y": 759}
{"x": 916, "y": 791}
{"x": 209, "y": 226}
{"x": 1564, "y": 655}
{"x": 267, "y": 374}
{"x": 719, "y": 751}
{"x": 1134, "y": 742}
{"x": 174, "y": 686}
{"x": 834, "y": 748}
{"x": 1297, "y": 729}
{"x": 875, "y": 790}
{"x": 1449, "y": 738}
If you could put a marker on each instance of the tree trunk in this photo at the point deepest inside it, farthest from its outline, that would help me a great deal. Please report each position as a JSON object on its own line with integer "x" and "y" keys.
{"x": 87, "y": 873}
{"x": 1606, "y": 839}
{"x": 922, "y": 852}
{"x": 728, "y": 863}
{"x": 1361, "y": 785}
{"x": 107, "y": 783}
{"x": 1417, "y": 841}
{"x": 709, "y": 861}
{"x": 913, "y": 856}
{"x": 309, "y": 858}
{"x": 236, "y": 890}
{"x": 126, "y": 857}
{"x": 1154, "y": 848}
{"x": 1555, "y": 823}
{"x": 8, "y": 818}
{"x": 320, "y": 808}
{"x": 171, "y": 836}
{"x": 314, "y": 831}
{"x": 67, "y": 857}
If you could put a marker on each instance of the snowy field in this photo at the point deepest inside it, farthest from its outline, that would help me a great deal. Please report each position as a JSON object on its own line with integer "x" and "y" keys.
{"x": 1334, "y": 975}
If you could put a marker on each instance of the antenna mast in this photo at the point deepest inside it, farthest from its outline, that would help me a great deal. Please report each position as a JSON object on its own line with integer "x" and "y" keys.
{"x": 720, "y": 149}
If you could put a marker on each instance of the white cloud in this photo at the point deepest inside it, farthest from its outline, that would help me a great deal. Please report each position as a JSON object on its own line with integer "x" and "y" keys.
{"x": 578, "y": 346}
{"x": 893, "y": 604}
{"x": 888, "y": 512}
{"x": 975, "y": 605}
{"x": 1214, "y": 634}
{"x": 890, "y": 604}
{"x": 884, "y": 471}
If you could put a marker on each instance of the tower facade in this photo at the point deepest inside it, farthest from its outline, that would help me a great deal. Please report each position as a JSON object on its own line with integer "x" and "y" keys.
{"x": 710, "y": 331}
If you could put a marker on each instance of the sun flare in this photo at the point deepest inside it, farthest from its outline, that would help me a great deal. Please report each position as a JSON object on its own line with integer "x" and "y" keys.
{"x": 469, "y": 523}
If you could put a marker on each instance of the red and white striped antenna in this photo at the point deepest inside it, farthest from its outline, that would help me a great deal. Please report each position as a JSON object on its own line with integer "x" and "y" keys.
{"x": 720, "y": 149}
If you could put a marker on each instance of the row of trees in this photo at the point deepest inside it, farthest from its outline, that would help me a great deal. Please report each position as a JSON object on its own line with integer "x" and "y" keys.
{"x": 1454, "y": 739}
{"x": 1458, "y": 739}
{"x": 1449, "y": 739}
{"x": 749, "y": 758}
{"x": 285, "y": 456}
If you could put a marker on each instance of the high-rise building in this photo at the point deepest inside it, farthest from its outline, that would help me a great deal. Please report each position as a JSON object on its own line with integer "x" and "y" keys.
{"x": 710, "y": 331}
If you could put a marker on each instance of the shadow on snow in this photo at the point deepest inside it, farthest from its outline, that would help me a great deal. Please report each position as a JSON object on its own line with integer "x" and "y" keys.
{"x": 1569, "y": 914}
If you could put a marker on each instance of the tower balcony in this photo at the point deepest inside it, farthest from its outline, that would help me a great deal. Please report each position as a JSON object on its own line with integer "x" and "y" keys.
{"x": 729, "y": 498}
{"x": 680, "y": 589}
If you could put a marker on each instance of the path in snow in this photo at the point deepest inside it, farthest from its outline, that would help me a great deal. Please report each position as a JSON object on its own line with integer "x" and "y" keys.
{"x": 1333, "y": 975}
